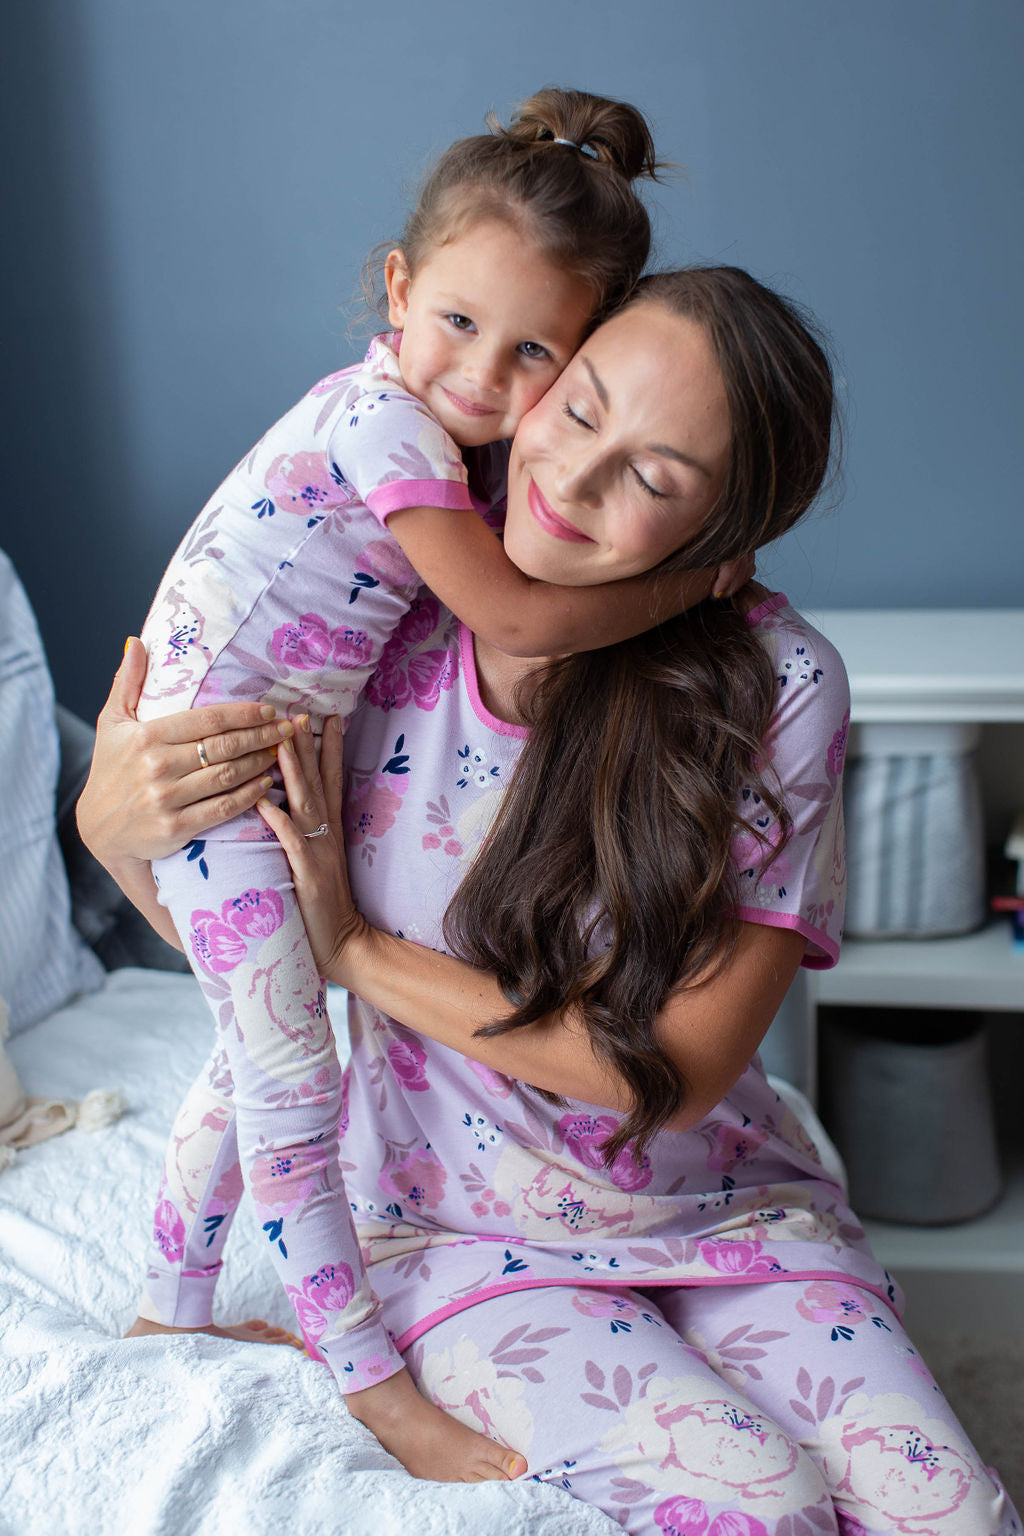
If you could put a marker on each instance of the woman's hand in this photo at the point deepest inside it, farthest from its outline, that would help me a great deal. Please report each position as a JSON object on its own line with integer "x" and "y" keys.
{"x": 733, "y": 574}
{"x": 313, "y": 840}
{"x": 148, "y": 793}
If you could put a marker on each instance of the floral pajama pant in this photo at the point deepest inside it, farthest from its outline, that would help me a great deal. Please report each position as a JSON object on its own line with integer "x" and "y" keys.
{"x": 274, "y": 1073}
{"x": 783, "y": 1409}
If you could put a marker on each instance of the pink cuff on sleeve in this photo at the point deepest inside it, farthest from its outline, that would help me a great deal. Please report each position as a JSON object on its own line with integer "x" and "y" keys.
{"x": 396, "y": 495}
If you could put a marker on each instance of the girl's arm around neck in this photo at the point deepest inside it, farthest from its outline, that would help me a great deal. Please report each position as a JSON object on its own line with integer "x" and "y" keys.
{"x": 710, "y": 1031}
{"x": 463, "y": 562}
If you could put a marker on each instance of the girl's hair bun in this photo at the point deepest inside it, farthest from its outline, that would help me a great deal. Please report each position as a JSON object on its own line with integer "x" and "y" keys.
{"x": 611, "y": 132}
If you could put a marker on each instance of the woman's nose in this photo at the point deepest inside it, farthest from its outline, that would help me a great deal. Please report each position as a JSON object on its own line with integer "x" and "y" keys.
{"x": 576, "y": 477}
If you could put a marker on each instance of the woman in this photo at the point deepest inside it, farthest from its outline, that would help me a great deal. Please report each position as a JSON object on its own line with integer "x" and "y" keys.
{"x": 715, "y": 1349}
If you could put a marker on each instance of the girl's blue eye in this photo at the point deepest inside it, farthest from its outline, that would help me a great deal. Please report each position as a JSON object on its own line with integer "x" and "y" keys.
{"x": 580, "y": 421}
{"x": 533, "y": 349}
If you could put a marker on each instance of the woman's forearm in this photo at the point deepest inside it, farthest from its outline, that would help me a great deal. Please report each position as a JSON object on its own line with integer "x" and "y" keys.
{"x": 448, "y": 1000}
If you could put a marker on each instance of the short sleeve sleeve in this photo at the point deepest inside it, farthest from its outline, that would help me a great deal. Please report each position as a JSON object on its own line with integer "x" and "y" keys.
{"x": 804, "y": 885}
{"x": 392, "y": 452}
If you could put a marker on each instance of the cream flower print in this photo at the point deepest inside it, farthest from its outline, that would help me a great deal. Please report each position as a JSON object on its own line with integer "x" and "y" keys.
{"x": 467, "y": 1385}
{"x": 902, "y": 1472}
{"x": 473, "y": 766}
{"x": 550, "y": 1199}
{"x": 722, "y": 1452}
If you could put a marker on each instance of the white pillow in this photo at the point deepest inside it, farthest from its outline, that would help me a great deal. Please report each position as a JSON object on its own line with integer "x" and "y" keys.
{"x": 43, "y": 960}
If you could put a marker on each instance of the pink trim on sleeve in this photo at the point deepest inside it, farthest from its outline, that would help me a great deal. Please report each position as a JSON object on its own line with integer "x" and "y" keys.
{"x": 397, "y": 495}
{"x": 827, "y": 950}
{"x": 770, "y": 605}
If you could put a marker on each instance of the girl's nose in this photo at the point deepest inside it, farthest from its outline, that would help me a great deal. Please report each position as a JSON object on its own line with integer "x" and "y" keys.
{"x": 483, "y": 367}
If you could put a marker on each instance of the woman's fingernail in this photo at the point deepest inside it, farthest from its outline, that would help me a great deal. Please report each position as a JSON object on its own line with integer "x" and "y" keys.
{"x": 288, "y": 746}
{"x": 336, "y": 722}
{"x": 266, "y": 783}
{"x": 286, "y": 728}
{"x": 127, "y": 644}
{"x": 268, "y": 711}
{"x": 261, "y": 801}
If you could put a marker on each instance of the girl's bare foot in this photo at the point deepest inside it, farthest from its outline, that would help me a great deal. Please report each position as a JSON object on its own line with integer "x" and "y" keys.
{"x": 427, "y": 1441}
{"x": 255, "y": 1331}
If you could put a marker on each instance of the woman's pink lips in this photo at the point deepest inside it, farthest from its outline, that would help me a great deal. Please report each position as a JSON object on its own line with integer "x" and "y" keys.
{"x": 467, "y": 407}
{"x": 550, "y": 521}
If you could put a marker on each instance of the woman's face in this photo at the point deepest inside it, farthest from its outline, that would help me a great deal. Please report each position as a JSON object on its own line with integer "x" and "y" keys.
{"x": 622, "y": 460}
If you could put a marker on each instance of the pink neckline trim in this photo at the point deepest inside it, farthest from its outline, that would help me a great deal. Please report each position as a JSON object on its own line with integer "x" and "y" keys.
{"x": 770, "y": 605}
{"x": 467, "y": 656}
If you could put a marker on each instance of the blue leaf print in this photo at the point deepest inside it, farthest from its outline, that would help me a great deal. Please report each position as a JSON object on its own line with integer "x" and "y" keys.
{"x": 395, "y": 1210}
{"x": 311, "y": 522}
{"x": 364, "y": 581}
{"x": 513, "y": 1266}
{"x": 618, "y": 1326}
{"x": 273, "y": 1230}
{"x": 264, "y": 507}
{"x": 841, "y": 1332}
{"x": 195, "y": 850}
{"x": 396, "y": 763}
{"x": 210, "y": 1225}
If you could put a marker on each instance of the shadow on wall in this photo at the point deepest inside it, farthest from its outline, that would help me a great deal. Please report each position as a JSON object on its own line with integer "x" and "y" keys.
{"x": 66, "y": 465}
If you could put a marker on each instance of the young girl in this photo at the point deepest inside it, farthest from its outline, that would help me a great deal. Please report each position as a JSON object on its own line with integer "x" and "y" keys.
{"x": 289, "y": 588}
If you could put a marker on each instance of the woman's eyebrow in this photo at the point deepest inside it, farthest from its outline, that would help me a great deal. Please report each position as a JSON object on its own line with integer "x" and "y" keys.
{"x": 599, "y": 389}
{"x": 684, "y": 458}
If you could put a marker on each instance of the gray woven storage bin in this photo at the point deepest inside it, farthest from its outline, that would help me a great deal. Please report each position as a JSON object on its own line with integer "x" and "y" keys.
{"x": 915, "y": 842}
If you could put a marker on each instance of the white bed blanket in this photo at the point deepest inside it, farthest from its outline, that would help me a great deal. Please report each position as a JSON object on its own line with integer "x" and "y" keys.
{"x": 189, "y": 1436}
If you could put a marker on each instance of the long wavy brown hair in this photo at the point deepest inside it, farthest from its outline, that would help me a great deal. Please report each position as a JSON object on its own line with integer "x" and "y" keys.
{"x": 606, "y": 884}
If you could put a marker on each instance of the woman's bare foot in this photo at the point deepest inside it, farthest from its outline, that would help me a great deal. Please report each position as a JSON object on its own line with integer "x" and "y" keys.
{"x": 255, "y": 1331}
{"x": 427, "y": 1441}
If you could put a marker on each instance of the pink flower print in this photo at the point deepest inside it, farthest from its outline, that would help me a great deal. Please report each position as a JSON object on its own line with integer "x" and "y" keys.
{"x": 682, "y": 1517}
{"x": 385, "y": 560}
{"x": 329, "y": 1290}
{"x": 837, "y": 750}
{"x": 584, "y": 1137}
{"x": 169, "y": 1232}
{"x": 418, "y": 1178}
{"x": 496, "y": 1084}
{"x": 733, "y": 1146}
{"x": 488, "y": 1203}
{"x": 368, "y": 1372}
{"x": 407, "y": 1058}
{"x": 388, "y": 687}
{"x": 602, "y": 1303}
{"x": 420, "y": 622}
{"x": 304, "y": 644}
{"x": 257, "y": 914}
{"x": 351, "y": 647}
{"x": 440, "y": 816}
{"x": 216, "y": 945}
{"x": 282, "y": 1181}
{"x": 430, "y": 672}
{"x": 301, "y": 482}
{"x": 370, "y": 811}
{"x": 825, "y": 1301}
{"x": 741, "y": 1257}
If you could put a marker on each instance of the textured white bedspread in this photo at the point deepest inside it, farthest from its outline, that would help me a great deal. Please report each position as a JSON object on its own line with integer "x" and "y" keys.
{"x": 190, "y": 1436}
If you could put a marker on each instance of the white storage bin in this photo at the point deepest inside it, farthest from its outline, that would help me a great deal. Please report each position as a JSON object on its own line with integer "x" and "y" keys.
{"x": 915, "y": 843}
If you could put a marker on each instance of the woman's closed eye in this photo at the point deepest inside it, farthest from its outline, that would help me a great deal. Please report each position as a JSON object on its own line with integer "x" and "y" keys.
{"x": 581, "y": 421}
{"x": 648, "y": 487}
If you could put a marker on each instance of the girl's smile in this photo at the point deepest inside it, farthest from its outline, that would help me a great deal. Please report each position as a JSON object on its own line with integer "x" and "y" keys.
{"x": 488, "y": 322}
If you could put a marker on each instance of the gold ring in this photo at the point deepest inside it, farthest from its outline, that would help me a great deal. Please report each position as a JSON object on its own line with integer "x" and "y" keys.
{"x": 204, "y": 760}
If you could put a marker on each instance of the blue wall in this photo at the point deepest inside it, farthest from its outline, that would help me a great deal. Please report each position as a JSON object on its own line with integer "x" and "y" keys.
{"x": 200, "y": 183}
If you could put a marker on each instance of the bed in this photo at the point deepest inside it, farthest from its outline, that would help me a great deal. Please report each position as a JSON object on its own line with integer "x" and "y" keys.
{"x": 193, "y": 1435}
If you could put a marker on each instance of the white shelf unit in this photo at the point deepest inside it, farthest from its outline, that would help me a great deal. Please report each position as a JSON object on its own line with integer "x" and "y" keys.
{"x": 940, "y": 666}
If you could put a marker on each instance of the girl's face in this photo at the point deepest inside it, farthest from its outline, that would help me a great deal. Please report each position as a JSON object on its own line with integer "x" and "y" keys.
{"x": 621, "y": 463}
{"x": 488, "y": 323}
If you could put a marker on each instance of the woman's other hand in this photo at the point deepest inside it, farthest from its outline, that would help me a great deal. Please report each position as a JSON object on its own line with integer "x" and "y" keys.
{"x": 733, "y": 574}
{"x": 313, "y": 840}
{"x": 148, "y": 793}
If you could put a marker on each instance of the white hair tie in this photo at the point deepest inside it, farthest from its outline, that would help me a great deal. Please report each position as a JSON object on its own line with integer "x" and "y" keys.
{"x": 591, "y": 154}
